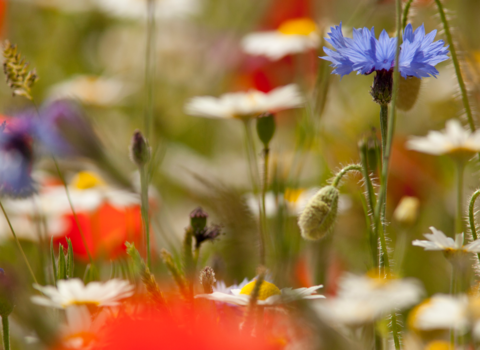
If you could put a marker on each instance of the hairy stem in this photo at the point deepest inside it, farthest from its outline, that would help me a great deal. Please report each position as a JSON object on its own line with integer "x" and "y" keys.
{"x": 471, "y": 218}
{"x": 456, "y": 65}
{"x": 406, "y": 9}
{"x": 149, "y": 66}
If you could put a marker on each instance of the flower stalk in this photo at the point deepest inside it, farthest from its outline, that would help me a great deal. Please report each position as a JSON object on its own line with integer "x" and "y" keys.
{"x": 456, "y": 65}
{"x": 6, "y": 332}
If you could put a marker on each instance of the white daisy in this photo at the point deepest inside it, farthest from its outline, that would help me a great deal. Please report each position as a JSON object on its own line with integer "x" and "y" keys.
{"x": 73, "y": 292}
{"x": 245, "y": 104}
{"x": 293, "y": 36}
{"x": 269, "y": 295}
{"x": 137, "y": 9}
{"x": 80, "y": 330}
{"x": 294, "y": 200}
{"x": 364, "y": 299}
{"x": 455, "y": 141}
{"x": 440, "y": 312}
{"x": 437, "y": 240}
{"x": 93, "y": 90}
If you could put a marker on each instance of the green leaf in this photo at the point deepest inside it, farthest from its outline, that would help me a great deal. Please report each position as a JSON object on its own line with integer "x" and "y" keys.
{"x": 54, "y": 266}
{"x": 70, "y": 265}
{"x": 62, "y": 264}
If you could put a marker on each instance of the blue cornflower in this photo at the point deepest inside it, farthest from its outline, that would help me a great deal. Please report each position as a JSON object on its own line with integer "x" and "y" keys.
{"x": 366, "y": 54}
{"x": 16, "y": 157}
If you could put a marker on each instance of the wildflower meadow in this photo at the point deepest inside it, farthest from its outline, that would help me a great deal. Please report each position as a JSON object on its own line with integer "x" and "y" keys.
{"x": 240, "y": 174}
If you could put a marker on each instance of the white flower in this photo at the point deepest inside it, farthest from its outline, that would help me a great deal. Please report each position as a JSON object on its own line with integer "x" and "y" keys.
{"x": 269, "y": 294}
{"x": 73, "y": 292}
{"x": 454, "y": 141}
{"x": 93, "y": 90}
{"x": 293, "y": 36}
{"x": 245, "y": 104}
{"x": 440, "y": 312}
{"x": 137, "y": 9}
{"x": 294, "y": 200}
{"x": 364, "y": 299}
{"x": 80, "y": 330}
{"x": 439, "y": 241}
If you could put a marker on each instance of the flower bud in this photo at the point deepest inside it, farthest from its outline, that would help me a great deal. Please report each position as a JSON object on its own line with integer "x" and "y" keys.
{"x": 319, "y": 214}
{"x": 139, "y": 149}
{"x": 266, "y": 128}
{"x": 6, "y": 294}
{"x": 382, "y": 87}
{"x": 408, "y": 91}
{"x": 406, "y": 212}
{"x": 198, "y": 219}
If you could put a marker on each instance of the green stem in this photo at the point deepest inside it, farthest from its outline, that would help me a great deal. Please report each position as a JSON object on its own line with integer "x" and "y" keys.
{"x": 77, "y": 222}
{"x": 18, "y": 245}
{"x": 471, "y": 218}
{"x": 459, "y": 183}
{"x": 144, "y": 210}
{"x": 266, "y": 155}
{"x": 149, "y": 66}
{"x": 384, "y": 126}
{"x": 405, "y": 13}
{"x": 253, "y": 168}
{"x": 373, "y": 239}
{"x": 344, "y": 171}
{"x": 456, "y": 65}
{"x": 6, "y": 333}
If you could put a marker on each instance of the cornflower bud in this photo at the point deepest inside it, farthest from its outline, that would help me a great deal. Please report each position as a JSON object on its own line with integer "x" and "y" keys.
{"x": 319, "y": 214}
{"x": 382, "y": 87}
{"x": 198, "y": 219}
{"x": 139, "y": 149}
{"x": 6, "y": 295}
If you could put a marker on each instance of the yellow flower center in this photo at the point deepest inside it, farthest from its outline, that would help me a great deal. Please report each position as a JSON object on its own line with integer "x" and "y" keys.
{"x": 267, "y": 290}
{"x": 292, "y": 195}
{"x": 87, "y": 179}
{"x": 87, "y": 303}
{"x": 439, "y": 345}
{"x": 299, "y": 26}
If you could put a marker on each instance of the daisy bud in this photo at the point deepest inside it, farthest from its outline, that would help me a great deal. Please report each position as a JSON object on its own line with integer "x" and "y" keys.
{"x": 408, "y": 93}
{"x": 382, "y": 87}
{"x": 139, "y": 149}
{"x": 266, "y": 128}
{"x": 6, "y": 295}
{"x": 406, "y": 212}
{"x": 319, "y": 214}
{"x": 207, "y": 279}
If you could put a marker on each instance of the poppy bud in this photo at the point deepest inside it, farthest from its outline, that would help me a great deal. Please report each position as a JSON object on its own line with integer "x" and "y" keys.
{"x": 266, "y": 128}
{"x": 207, "y": 279}
{"x": 319, "y": 214}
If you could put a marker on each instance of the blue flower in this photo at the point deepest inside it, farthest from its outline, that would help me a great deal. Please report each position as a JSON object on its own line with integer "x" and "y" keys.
{"x": 63, "y": 130}
{"x": 366, "y": 54}
{"x": 16, "y": 157}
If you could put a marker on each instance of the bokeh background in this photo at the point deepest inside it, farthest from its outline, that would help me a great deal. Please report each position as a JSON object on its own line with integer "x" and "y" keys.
{"x": 94, "y": 51}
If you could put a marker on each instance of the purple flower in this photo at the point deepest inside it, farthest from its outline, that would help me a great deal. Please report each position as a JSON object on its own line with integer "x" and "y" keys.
{"x": 16, "y": 157}
{"x": 366, "y": 54}
{"x": 63, "y": 130}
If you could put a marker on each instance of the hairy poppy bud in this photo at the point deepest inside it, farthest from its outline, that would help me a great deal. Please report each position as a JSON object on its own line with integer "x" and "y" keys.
{"x": 408, "y": 90}
{"x": 207, "y": 279}
{"x": 319, "y": 214}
